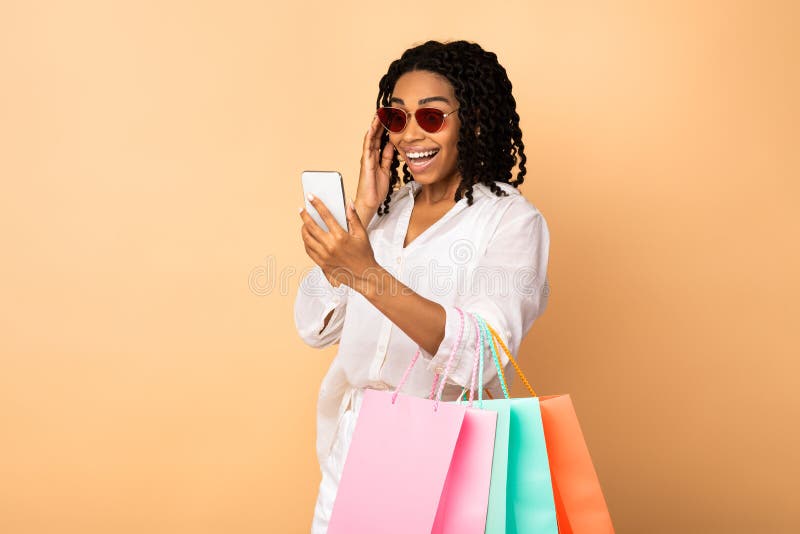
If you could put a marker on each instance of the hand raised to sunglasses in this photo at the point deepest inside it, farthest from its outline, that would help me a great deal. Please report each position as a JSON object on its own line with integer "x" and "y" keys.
{"x": 373, "y": 180}
{"x": 345, "y": 257}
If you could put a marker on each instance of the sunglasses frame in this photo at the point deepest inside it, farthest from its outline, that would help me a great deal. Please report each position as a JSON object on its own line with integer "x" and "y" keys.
{"x": 408, "y": 118}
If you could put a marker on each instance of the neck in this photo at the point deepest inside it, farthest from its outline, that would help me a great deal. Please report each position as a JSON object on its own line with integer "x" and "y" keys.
{"x": 438, "y": 192}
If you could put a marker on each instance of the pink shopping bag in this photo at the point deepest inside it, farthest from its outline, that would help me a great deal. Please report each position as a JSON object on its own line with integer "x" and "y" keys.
{"x": 465, "y": 498}
{"x": 409, "y": 457}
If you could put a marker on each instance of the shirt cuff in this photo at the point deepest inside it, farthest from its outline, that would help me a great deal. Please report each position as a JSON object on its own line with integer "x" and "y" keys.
{"x": 464, "y": 358}
{"x": 316, "y": 297}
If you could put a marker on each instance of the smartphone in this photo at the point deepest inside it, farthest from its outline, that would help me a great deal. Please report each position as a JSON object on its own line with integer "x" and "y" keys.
{"x": 327, "y": 186}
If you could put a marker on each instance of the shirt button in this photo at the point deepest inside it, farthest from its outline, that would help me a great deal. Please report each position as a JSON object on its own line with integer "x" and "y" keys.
{"x": 439, "y": 370}
{"x": 399, "y": 259}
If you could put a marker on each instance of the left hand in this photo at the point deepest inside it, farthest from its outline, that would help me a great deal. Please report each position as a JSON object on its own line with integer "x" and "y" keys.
{"x": 346, "y": 257}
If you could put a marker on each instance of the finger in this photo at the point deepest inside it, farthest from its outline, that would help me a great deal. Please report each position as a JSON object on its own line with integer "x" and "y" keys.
{"x": 316, "y": 259}
{"x": 356, "y": 226}
{"x": 386, "y": 157}
{"x": 370, "y": 135}
{"x": 311, "y": 244}
{"x": 377, "y": 132}
{"x": 312, "y": 227}
{"x": 326, "y": 215}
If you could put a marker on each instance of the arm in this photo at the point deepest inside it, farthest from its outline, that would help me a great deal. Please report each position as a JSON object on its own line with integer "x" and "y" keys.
{"x": 509, "y": 290}
{"x": 328, "y": 318}
{"x": 421, "y": 319}
{"x": 365, "y": 213}
{"x": 319, "y": 310}
{"x": 316, "y": 285}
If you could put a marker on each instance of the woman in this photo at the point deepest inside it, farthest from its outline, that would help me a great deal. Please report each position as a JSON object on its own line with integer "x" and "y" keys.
{"x": 457, "y": 232}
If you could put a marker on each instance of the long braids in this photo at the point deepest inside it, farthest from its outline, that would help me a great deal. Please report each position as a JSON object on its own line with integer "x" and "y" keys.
{"x": 490, "y": 140}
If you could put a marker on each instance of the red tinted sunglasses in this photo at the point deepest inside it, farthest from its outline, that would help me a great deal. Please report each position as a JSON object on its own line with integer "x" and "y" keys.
{"x": 429, "y": 119}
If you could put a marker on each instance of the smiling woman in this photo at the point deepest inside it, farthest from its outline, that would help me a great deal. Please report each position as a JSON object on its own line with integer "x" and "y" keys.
{"x": 457, "y": 78}
{"x": 430, "y": 145}
{"x": 456, "y": 233}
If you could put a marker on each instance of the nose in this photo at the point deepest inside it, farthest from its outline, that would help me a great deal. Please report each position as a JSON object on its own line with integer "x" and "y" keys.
{"x": 412, "y": 132}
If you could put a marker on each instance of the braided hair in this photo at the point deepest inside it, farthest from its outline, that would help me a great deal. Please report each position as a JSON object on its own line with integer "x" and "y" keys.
{"x": 489, "y": 140}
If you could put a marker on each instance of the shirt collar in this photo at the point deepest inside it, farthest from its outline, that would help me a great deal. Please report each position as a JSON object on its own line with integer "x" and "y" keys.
{"x": 413, "y": 186}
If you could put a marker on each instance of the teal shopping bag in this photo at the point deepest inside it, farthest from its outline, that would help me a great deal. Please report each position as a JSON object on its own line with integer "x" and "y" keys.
{"x": 580, "y": 505}
{"x": 496, "y": 514}
{"x": 521, "y": 492}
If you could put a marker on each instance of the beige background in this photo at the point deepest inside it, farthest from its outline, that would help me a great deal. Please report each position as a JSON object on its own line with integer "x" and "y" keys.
{"x": 151, "y": 379}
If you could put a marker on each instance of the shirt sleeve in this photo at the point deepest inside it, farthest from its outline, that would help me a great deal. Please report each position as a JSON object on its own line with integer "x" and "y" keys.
{"x": 509, "y": 289}
{"x": 316, "y": 297}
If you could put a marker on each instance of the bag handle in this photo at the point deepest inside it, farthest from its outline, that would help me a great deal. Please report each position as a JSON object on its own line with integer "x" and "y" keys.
{"x": 496, "y": 340}
{"x": 474, "y": 366}
{"x": 485, "y": 331}
{"x": 495, "y": 358}
{"x": 479, "y": 361}
{"x": 477, "y": 366}
{"x": 436, "y": 378}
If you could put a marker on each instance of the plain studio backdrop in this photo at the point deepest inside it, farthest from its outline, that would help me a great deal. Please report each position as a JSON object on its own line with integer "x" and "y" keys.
{"x": 151, "y": 379}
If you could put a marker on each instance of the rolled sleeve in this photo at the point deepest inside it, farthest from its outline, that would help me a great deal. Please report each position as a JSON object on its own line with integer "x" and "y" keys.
{"x": 509, "y": 289}
{"x": 316, "y": 297}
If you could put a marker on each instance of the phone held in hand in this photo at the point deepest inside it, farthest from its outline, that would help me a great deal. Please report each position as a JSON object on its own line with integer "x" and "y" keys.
{"x": 327, "y": 186}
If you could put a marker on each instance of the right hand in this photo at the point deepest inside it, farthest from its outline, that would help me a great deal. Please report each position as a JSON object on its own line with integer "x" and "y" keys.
{"x": 373, "y": 180}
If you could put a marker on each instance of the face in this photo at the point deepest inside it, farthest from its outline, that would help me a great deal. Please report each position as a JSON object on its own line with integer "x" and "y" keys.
{"x": 424, "y": 89}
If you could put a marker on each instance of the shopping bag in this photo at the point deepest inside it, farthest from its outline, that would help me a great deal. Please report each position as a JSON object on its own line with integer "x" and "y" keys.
{"x": 496, "y": 512}
{"x": 403, "y": 452}
{"x": 521, "y": 494}
{"x": 462, "y": 508}
{"x": 579, "y": 502}
{"x": 464, "y": 501}
{"x": 582, "y": 507}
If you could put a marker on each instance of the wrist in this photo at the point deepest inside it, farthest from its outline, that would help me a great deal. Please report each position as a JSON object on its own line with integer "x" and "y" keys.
{"x": 361, "y": 205}
{"x": 374, "y": 282}
{"x": 365, "y": 212}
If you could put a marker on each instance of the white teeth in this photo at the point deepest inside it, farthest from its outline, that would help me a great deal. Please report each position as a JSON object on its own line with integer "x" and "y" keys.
{"x": 415, "y": 155}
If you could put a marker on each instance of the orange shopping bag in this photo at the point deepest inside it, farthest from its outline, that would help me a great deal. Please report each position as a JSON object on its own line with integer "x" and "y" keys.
{"x": 580, "y": 505}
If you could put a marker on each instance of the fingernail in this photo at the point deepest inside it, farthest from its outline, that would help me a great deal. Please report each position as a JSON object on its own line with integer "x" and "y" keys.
{"x": 310, "y": 197}
{"x": 352, "y": 206}
{"x": 300, "y": 210}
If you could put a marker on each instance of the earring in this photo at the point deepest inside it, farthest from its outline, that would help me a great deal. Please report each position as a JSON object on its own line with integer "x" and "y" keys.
{"x": 478, "y": 131}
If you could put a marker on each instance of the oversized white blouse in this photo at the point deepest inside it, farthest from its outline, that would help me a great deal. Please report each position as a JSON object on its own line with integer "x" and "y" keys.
{"x": 489, "y": 258}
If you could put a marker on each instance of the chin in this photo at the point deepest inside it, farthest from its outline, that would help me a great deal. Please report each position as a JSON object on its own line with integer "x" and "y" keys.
{"x": 427, "y": 178}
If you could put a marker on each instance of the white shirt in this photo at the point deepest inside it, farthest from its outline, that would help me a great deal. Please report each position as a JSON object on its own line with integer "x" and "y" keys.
{"x": 489, "y": 258}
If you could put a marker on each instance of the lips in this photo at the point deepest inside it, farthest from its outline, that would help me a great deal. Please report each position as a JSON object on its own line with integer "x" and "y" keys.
{"x": 418, "y": 158}
{"x": 421, "y": 165}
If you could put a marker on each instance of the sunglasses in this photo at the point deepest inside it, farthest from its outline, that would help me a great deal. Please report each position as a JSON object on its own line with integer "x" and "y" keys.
{"x": 429, "y": 119}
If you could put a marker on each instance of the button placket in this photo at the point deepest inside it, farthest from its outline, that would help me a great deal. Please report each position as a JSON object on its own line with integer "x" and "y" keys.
{"x": 386, "y": 326}
{"x": 380, "y": 353}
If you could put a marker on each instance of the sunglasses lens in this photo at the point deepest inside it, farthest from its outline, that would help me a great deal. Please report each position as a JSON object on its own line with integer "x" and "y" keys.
{"x": 392, "y": 119}
{"x": 429, "y": 119}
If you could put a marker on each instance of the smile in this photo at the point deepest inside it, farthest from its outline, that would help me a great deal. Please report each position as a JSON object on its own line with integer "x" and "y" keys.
{"x": 417, "y": 161}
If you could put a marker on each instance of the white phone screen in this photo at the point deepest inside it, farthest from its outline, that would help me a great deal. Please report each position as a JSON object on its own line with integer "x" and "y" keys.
{"x": 327, "y": 186}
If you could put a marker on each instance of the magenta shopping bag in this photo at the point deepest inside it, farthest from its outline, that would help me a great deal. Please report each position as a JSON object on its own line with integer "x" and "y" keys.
{"x": 413, "y": 465}
{"x": 465, "y": 498}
